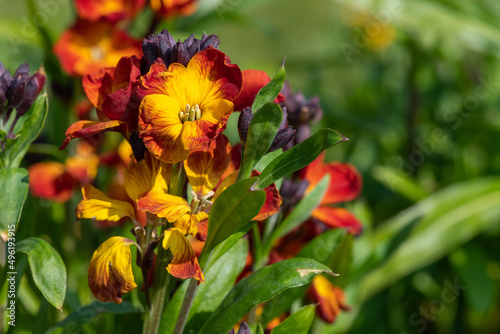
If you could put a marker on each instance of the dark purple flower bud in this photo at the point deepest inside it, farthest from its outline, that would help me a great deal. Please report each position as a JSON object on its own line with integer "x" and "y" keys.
{"x": 16, "y": 91}
{"x": 292, "y": 191}
{"x": 162, "y": 47}
{"x": 301, "y": 110}
{"x": 244, "y": 122}
{"x": 284, "y": 135}
{"x": 31, "y": 91}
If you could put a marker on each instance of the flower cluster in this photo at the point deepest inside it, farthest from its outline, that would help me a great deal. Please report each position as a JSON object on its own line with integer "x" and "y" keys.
{"x": 172, "y": 105}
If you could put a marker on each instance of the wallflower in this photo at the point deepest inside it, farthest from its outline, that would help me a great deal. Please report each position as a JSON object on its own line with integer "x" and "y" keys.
{"x": 110, "y": 271}
{"x": 345, "y": 185}
{"x": 330, "y": 299}
{"x": 88, "y": 46}
{"x": 56, "y": 181}
{"x": 108, "y": 10}
{"x": 171, "y": 8}
{"x": 185, "y": 107}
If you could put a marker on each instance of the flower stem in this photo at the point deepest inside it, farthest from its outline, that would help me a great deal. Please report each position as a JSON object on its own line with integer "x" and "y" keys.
{"x": 186, "y": 305}
{"x": 158, "y": 292}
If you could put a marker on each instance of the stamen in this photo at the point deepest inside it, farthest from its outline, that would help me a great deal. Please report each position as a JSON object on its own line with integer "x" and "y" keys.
{"x": 190, "y": 113}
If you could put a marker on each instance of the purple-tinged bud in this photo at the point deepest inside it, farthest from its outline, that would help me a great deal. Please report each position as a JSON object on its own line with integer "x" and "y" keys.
{"x": 301, "y": 110}
{"x": 163, "y": 48}
{"x": 244, "y": 329}
{"x": 292, "y": 191}
{"x": 16, "y": 91}
{"x": 31, "y": 91}
{"x": 244, "y": 122}
{"x": 282, "y": 138}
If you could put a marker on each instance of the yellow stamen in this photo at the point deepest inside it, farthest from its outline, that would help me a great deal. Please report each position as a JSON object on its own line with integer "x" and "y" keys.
{"x": 190, "y": 113}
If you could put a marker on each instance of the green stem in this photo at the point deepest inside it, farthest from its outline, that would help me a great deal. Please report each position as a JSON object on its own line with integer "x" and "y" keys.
{"x": 186, "y": 306}
{"x": 158, "y": 292}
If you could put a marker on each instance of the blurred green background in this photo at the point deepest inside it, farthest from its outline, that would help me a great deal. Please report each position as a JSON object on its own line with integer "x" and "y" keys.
{"x": 415, "y": 85}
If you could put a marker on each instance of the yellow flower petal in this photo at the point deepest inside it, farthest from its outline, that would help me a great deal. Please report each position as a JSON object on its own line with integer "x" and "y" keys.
{"x": 149, "y": 174}
{"x": 96, "y": 205}
{"x": 164, "y": 205}
{"x": 184, "y": 263}
{"x": 110, "y": 271}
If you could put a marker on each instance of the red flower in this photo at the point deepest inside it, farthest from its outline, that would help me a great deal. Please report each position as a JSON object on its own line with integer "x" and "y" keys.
{"x": 171, "y": 8}
{"x": 345, "y": 185}
{"x": 253, "y": 81}
{"x": 108, "y": 10}
{"x": 88, "y": 46}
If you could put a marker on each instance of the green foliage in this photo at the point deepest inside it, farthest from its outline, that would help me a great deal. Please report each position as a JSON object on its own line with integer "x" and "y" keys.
{"x": 235, "y": 207}
{"x": 27, "y": 129}
{"x": 87, "y": 313}
{"x": 269, "y": 92}
{"x": 298, "y": 323}
{"x": 299, "y": 156}
{"x": 14, "y": 184}
{"x": 261, "y": 133}
{"x": 47, "y": 268}
{"x": 260, "y": 287}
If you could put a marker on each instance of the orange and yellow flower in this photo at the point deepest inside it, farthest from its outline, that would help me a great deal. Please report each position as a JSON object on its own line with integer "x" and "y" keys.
{"x": 330, "y": 299}
{"x": 88, "y": 46}
{"x": 171, "y": 8}
{"x": 56, "y": 181}
{"x": 110, "y": 271}
{"x": 345, "y": 185}
{"x": 186, "y": 107}
{"x": 108, "y": 10}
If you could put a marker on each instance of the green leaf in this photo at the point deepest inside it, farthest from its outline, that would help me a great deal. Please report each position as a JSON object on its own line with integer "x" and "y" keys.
{"x": 398, "y": 182}
{"x": 218, "y": 282}
{"x": 341, "y": 260}
{"x": 446, "y": 220}
{"x": 267, "y": 159}
{"x": 299, "y": 156}
{"x": 235, "y": 207}
{"x": 300, "y": 213}
{"x": 47, "y": 268}
{"x": 261, "y": 133}
{"x": 27, "y": 129}
{"x": 227, "y": 244}
{"x": 219, "y": 279}
{"x": 270, "y": 91}
{"x": 260, "y": 287}
{"x": 322, "y": 249}
{"x": 75, "y": 320}
{"x": 298, "y": 323}
{"x": 14, "y": 184}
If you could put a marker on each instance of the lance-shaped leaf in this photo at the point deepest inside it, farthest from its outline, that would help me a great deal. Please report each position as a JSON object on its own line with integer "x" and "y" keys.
{"x": 47, "y": 268}
{"x": 27, "y": 128}
{"x": 299, "y": 156}
{"x": 269, "y": 92}
{"x": 14, "y": 189}
{"x": 74, "y": 321}
{"x": 261, "y": 133}
{"x": 236, "y": 206}
{"x": 297, "y": 323}
{"x": 260, "y": 287}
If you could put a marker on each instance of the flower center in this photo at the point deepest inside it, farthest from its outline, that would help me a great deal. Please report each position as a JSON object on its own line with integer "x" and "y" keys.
{"x": 97, "y": 53}
{"x": 199, "y": 204}
{"x": 190, "y": 113}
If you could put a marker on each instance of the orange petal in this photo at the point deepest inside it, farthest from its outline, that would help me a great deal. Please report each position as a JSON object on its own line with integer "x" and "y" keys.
{"x": 189, "y": 224}
{"x": 88, "y": 46}
{"x": 338, "y": 218}
{"x": 172, "y": 8}
{"x": 164, "y": 205}
{"x": 108, "y": 10}
{"x": 184, "y": 263}
{"x": 110, "y": 271}
{"x": 149, "y": 174}
{"x": 330, "y": 298}
{"x": 83, "y": 129}
{"x": 345, "y": 181}
{"x": 50, "y": 180}
{"x": 96, "y": 205}
{"x": 204, "y": 169}
{"x": 83, "y": 166}
{"x": 253, "y": 81}
{"x": 273, "y": 201}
